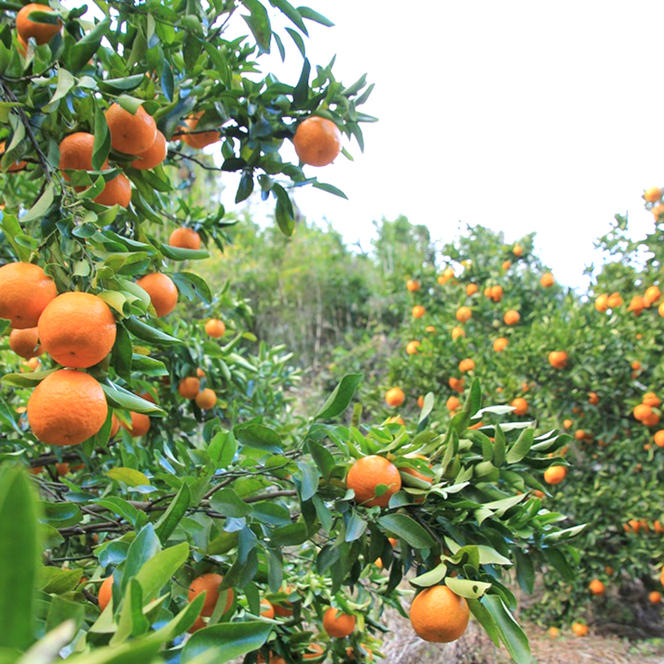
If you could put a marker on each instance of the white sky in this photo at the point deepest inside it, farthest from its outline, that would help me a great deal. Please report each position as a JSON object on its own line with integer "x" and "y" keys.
{"x": 519, "y": 115}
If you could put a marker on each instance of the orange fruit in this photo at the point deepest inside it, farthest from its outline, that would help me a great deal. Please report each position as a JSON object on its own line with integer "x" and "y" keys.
{"x": 506, "y": 265}
{"x": 456, "y": 384}
{"x": 651, "y": 295}
{"x": 418, "y": 311}
{"x": 209, "y": 584}
{"x": 153, "y": 156}
{"x": 17, "y": 165}
{"x": 655, "y": 597}
{"x": 471, "y": 289}
{"x": 314, "y": 652}
{"x": 33, "y": 363}
{"x": 25, "y": 342}
{"x": 660, "y": 309}
{"x": 413, "y": 285}
{"x": 412, "y": 346}
{"x": 567, "y": 424}
{"x": 579, "y": 629}
{"x": 593, "y": 398}
{"x": 198, "y": 140}
{"x": 396, "y": 420}
{"x": 614, "y": 300}
{"x": 553, "y": 632}
{"x": 439, "y": 615}
{"x": 658, "y": 211}
{"x": 653, "y": 194}
{"x": 558, "y": 359}
{"x": 642, "y": 412}
{"x": 26, "y": 28}
{"x": 609, "y": 570}
{"x": 416, "y": 473}
{"x": 366, "y": 474}
{"x": 496, "y": 293}
{"x": 466, "y": 364}
{"x": 215, "y": 328}
{"x": 140, "y": 424}
{"x": 317, "y": 141}
{"x": 602, "y": 302}
{"x": 651, "y": 420}
{"x": 162, "y": 291}
{"x": 274, "y": 659}
{"x": 500, "y": 344}
{"x": 636, "y": 365}
{"x": 76, "y": 153}
{"x": 429, "y": 328}
{"x": 105, "y": 593}
{"x": 651, "y": 399}
{"x": 206, "y": 399}
{"x": 25, "y": 290}
{"x": 116, "y": 192}
{"x": 115, "y": 426}
{"x": 547, "y": 280}
{"x": 284, "y": 609}
{"x": 659, "y": 438}
{"x": 367, "y": 655}
{"x": 185, "y": 238}
{"x": 77, "y": 329}
{"x": 463, "y": 314}
{"x": 338, "y": 625}
{"x": 452, "y": 403}
{"x": 189, "y": 387}
{"x": 458, "y": 332}
{"x": 394, "y": 397}
{"x": 268, "y": 609}
{"x": 520, "y": 406}
{"x": 131, "y": 133}
{"x": 555, "y": 474}
{"x": 637, "y": 305}
{"x": 511, "y": 317}
{"x": 579, "y": 434}
{"x": 517, "y": 250}
{"x": 200, "y": 373}
{"x": 66, "y": 408}
{"x": 596, "y": 587}
{"x": 420, "y": 401}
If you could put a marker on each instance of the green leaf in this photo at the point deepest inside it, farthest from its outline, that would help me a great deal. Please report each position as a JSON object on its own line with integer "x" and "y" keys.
{"x": 510, "y": 633}
{"x": 118, "y": 397}
{"x": 228, "y": 503}
{"x": 173, "y": 515}
{"x": 157, "y": 571}
{"x": 259, "y": 436}
{"x": 102, "y": 144}
{"x": 259, "y": 24}
{"x": 19, "y": 557}
{"x": 342, "y": 395}
{"x": 431, "y": 578}
{"x": 129, "y": 476}
{"x": 307, "y": 12}
{"x": 57, "y": 580}
{"x": 193, "y": 287}
{"x": 148, "y": 333}
{"x": 330, "y": 189}
{"x": 86, "y": 47}
{"x": 41, "y": 206}
{"x": 179, "y": 254}
{"x": 226, "y": 641}
{"x": 65, "y": 83}
{"x": 143, "y": 548}
{"x": 521, "y": 447}
{"x": 222, "y": 449}
{"x": 301, "y": 90}
{"x": 407, "y": 529}
{"x": 61, "y": 609}
{"x": 466, "y": 587}
{"x": 245, "y": 187}
{"x": 525, "y": 571}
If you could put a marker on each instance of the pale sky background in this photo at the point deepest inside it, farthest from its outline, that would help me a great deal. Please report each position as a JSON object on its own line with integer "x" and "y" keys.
{"x": 521, "y": 115}
{"x": 518, "y": 115}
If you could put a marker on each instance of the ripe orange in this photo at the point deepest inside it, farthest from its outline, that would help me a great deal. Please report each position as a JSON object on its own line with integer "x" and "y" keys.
{"x": 579, "y": 434}
{"x": 642, "y": 412}
{"x": 284, "y": 609}
{"x": 115, "y": 426}
{"x": 651, "y": 420}
{"x": 655, "y": 597}
{"x": 471, "y": 289}
{"x": 452, "y": 403}
{"x": 660, "y": 309}
{"x": 429, "y": 328}
{"x": 25, "y": 342}
{"x": 439, "y": 615}
{"x": 637, "y": 305}
{"x": 209, "y": 584}
{"x": 596, "y": 587}
{"x": 512, "y": 317}
{"x": 602, "y": 302}
{"x": 317, "y": 141}
{"x": 366, "y": 474}
{"x": 105, "y": 593}
{"x": 609, "y": 570}
{"x": 579, "y": 629}
{"x": 555, "y": 474}
{"x": 274, "y": 659}
{"x": 659, "y": 438}
{"x": 153, "y": 156}
{"x": 636, "y": 365}
{"x": 412, "y": 346}
{"x": 268, "y": 609}
{"x": 77, "y": 329}
{"x": 140, "y": 424}
{"x": 520, "y": 406}
{"x": 500, "y": 344}
{"x": 189, "y": 387}
{"x": 314, "y": 652}
{"x": 458, "y": 332}
{"x": 651, "y": 399}
{"x": 558, "y": 359}
{"x": 367, "y": 655}
{"x": 394, "y": 397}
{"x": 418, "y": 311}
{"x": 506, "y": 265}
{"x": 567, "y": 424}
{"x": 413, "y": 285}
{"x": 116, "y": 192}
{"x": 130, "y": 133}
{"x": 25, "y": 290}
{"x": 467, "y": 364}
{"x": 66, "y": 408}
{"x": 614, "y": 300}
{"x": 651, "y": 295}
{"x": 33, "y": 363}
{"x": 162, "y": 291}
{"x": 553, "y": 632}
{"x": 201, "y": 139}
{"x": 653, "y": 194}
{"x": 593, "y": 398}
{"x": 547, "y": 280}
{"x": 658, "y": 211}
{"x": 456, "y": 384}
{"x": 42, "y": 33}
{"x": 185, "y": 238}
{"x": 76, "y": 153}
{"x": 496, "y": 293}
{"x": 215, "y": 328}
{"x": 396, "y": 420}
{"x": 517, "y": 250}
{"x": 206, "y": 399}
{"x": 463, "y": 314}
{"x": 17, "y": 165}
{"x": 338, "y": 625}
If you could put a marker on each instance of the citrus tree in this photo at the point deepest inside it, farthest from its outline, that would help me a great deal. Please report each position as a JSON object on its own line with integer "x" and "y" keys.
{"x": 584, "y": 364}
{"x": 158, "y": 499}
